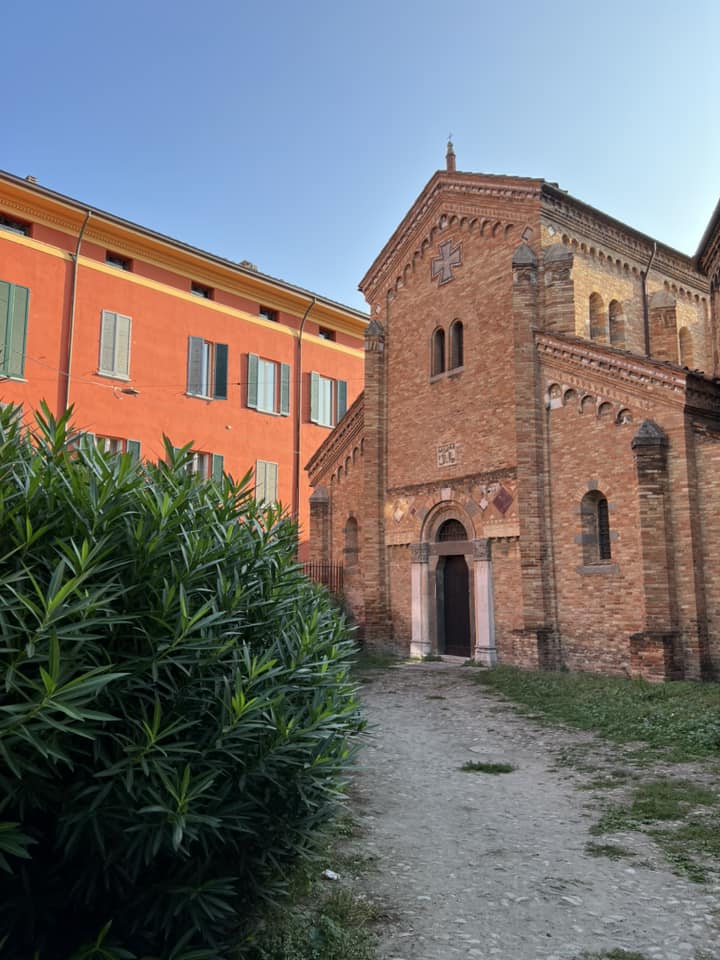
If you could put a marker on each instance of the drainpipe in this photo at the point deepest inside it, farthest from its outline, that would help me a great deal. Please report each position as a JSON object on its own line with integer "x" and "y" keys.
{"x": 73, "y": 299}
{"x": 646, "y": 321}
{"x": 298, "y": 415}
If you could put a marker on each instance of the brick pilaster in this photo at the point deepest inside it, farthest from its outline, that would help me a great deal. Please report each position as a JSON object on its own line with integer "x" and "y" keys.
{"x": 537, "y": 602}
{"x": 320, "y": 525}
{"x": 378, "y": 631}
{"x": 652, "y": 651}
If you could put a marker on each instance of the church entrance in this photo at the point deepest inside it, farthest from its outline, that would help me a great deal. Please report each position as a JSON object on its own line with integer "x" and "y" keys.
{"x": 456, "y": 606}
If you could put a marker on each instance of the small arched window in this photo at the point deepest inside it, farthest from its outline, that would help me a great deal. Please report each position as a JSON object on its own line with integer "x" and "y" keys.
{"x": 616, "y": 322}
{"x": 456, "y": 344}
{"x": 437, "y": 364}
{"x": 686, "y": 348}
{"x": 597, "y": 319}
{"x": 595, "y": 527}
{"x": 352, "y": 542}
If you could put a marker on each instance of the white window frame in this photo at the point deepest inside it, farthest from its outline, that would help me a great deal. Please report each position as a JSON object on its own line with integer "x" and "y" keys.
{"x": 111, "y": 343}
{"x": 268, "y": 386}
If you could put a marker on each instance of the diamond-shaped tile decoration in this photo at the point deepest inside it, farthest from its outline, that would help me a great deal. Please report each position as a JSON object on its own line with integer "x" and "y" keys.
{"x": 484, "y": 503}
{"x": 502, "y": 500}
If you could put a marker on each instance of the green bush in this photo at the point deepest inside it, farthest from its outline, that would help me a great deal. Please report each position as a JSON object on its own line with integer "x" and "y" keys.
{"x": 175, "y": 707}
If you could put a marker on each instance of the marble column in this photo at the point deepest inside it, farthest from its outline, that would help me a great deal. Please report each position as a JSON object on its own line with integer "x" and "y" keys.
{"x": 484, "y": 647}
{"x": 420, "y": 644}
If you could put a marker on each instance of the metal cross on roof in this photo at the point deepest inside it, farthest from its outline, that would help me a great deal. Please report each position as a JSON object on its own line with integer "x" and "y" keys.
{"x": 449, "y": 257}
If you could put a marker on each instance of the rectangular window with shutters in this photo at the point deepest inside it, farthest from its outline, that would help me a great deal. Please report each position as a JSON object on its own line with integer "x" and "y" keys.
{"x": 206, "y": 465}
{"x": 14, "y": 302}
{"x": 207, "y": 369}
{"x": 118, "y": 445}
{"x": 266, "y": 481}
{"x": 115, "y": 329}
{"x": 268, "y": 385}
{"x": 328, "y": 400}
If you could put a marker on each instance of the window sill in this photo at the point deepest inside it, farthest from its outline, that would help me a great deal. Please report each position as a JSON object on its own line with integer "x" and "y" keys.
{"x": 198, "y": 396}
{"x": 113, "y": 376}
{"x": 4, "y": 377}
{"x": 456, "y": 371}
{"x": 438, "y": 376}
{"x": 602, "y": 567}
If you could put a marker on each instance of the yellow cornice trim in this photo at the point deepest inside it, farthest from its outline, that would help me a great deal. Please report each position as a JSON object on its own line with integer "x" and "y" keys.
{"x": 140, "y": 243}
{"x": 167, "y": 290}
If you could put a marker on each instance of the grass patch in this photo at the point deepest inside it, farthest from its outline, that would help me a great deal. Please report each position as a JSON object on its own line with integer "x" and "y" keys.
{"x": 611, "y": 850}
{"x": 375, "y": 661}
{"x": 477, "y": 766}
{"x": 692, "y": 847}
{"x": 683, "y": 718}
{"x": 431, "y": 658}
{"x": 435, "y": 696}
{"x": 329, "y": 927}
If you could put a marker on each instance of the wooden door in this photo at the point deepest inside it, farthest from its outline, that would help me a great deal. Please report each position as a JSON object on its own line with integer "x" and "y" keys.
{"x": 456, "y": 607}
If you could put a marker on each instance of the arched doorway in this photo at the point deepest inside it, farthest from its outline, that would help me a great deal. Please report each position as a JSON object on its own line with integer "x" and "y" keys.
{"x": 454, "y": 592}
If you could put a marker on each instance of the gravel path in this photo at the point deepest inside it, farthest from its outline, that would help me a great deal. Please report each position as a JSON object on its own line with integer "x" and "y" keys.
{"x": 474, "y": 865}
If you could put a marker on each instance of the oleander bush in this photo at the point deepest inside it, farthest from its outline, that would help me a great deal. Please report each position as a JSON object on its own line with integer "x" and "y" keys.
{"x": 175, "y": 704}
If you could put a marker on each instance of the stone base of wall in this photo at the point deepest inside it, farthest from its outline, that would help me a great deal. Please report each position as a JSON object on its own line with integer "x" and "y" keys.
{"x": 652, "y": 656}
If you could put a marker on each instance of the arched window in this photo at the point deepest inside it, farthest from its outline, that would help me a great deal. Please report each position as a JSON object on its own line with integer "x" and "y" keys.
{"x": 597, "y": 319}
{"x": 595, "y": 527}
{"x": 686, "y": 348}
{"x": 451, "y": 530}
{"x": 352, "y": 545}
{"x": 456, "y": 344}
{"x": 437, "y": 364}
{"x": 616, "y": 322}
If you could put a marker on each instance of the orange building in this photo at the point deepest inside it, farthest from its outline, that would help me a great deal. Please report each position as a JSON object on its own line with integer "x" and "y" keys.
{"x": 145, "y": 336}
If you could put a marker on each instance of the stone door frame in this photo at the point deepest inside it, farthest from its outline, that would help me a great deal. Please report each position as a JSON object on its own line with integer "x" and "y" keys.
{"x": 426, "y": 616}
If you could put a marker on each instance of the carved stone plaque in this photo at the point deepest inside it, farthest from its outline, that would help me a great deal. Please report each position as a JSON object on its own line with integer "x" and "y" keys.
{"x": 446, "y": 454}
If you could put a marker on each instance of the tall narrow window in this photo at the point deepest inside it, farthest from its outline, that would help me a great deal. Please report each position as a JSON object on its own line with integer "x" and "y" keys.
{"x": 456, "y": 344}
{"x": 266, "y": 481}
{"x": 437, "y": 361}
{"x": 207, "y": 369}
{"x": 328, "y": 400}
{"x": 268, "y": 385}
{"x": 597, "y": 319}
{"x": 616, "y": 321}
{"x": 595, "y": 517}
{"x": 115, "y": 344}
{"x": 13, "y": 328}
{"x": 686, "y": 348}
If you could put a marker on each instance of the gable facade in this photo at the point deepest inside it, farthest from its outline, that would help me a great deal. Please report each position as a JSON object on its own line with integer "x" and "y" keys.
{"x": 530, "y": 474}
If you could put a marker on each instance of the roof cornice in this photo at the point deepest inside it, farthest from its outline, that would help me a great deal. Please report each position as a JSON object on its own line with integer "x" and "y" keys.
{"x": 67, "y": 214}
{"x": 615, "y": 367}
{"x": 466, "y": 189}
{"x": 576, "y": 216}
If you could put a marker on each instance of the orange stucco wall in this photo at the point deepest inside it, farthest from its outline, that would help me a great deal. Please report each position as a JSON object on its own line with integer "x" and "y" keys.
{"x": 164, "y": 314}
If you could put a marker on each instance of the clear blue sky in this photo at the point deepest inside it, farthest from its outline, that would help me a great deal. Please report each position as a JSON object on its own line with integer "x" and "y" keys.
{"x": 297, "y": 134}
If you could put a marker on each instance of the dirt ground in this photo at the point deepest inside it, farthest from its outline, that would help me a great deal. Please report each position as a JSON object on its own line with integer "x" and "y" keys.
{"x": 475, "y": 865}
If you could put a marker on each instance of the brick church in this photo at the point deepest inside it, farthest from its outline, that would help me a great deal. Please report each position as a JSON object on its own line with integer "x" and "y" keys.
{"x": 532, "y": 474}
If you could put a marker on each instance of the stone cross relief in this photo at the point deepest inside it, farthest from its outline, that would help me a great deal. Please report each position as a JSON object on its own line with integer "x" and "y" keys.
{"x": 449, "y": 257}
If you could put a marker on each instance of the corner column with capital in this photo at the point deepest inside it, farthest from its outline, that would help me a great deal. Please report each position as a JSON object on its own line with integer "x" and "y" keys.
{"x": 421, "y": 640}
{"x": 484, "y": 649}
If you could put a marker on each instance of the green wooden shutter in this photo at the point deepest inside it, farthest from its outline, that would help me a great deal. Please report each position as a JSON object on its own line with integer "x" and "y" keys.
{"x": 341, "y": 386}
{"x": 133, "y": 448}
{"x": 19, "y": 297}
{"x": 284, "y": 389}
{"x": 107, "y": 341}
{"x": 195, "y": 366}
{"x": 122, "y": 345}
{"x": 218, "y": 462}
{"x": 252, "y": 381}
{"x": 4, "y": 326}
{"x": 314, "y": 397}
{"x": 221, "y": 368}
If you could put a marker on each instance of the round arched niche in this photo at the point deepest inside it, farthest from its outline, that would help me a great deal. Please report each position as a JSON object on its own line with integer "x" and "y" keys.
{"x": 451, "y": 530}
